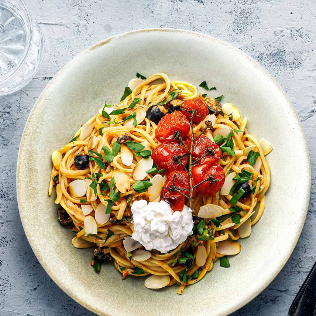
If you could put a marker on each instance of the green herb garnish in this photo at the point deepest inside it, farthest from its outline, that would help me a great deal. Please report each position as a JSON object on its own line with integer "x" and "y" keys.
{"x": 195, "y": 274}
{"x": 74, "y": 139}
{"x": 96, "y": 266}
{"x": 252, "y": 157}
{"x": 113, "y": 195}
{"x": 216, "y": 222}
{"x": 126, "y": 93}
{"x": 154, "y": 169}
{"x": 83, "y": 201}
{"x": 141, "y": 186}
{"x": 138, "y": 75}
{"x": 205, "y": 86}
{"x": 183, "y": 276}
{"x": 109, "y": 234}
{"x": 200, "y": 227}
{"x": 138, "y": 270}
{"x": 109, "y": 206}
{"x": 219, "y": 98}
{"x": 135, "y": 101}
{"x": 236, "y": 218}
{"x": 224, "y": 262}
{"x": 254, "y": 186}
{"x": 109, "y": 155}
{"x": 118, "y": 111}
{"x": 237, "y": 196}
{"x": 135, "y": 146}
{"x": 56, "y": 179}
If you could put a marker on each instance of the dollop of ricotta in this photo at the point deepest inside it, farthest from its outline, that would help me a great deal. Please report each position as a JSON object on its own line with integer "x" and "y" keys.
{"x": 157, "y": 227}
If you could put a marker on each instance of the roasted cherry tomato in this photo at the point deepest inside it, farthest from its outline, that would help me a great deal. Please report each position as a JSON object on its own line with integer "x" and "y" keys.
{"x": 204, "y": 147}
{"x": 215, "y": 175}
{"x": 195, "y": 104}
{"x": 170, "y": 156}
{"x": 181, "y": 180}
{"x": 170, "y": 123}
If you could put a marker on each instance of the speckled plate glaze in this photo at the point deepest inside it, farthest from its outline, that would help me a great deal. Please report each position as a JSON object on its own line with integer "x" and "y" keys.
{"x": 100, "y": 73}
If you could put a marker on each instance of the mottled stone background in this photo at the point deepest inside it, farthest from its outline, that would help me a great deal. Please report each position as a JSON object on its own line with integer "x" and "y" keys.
{"x": 279, "y": 34}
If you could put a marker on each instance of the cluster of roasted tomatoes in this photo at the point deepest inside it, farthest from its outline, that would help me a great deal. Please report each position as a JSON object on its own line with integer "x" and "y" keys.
{"x": 172, "y": 154}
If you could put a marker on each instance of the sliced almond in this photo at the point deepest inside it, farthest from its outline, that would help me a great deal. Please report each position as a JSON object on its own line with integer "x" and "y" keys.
{"x": 91, "y": 197}
{"x": 211, "y": 118}
{"x": 56, "y": 158}
{"x": 86, "y": 209}
{"x": 86, "y": 131}
{"x": 228, "y": 248}
{"x": 90, "y": 226}
{"x": 257, "y": 165}
{"x": 142, "y": 166}
{"x": 155, "y": 190}
{"x": 134, "y": 83}
{"x": 231, "y": 109}
{"x": 223, "y": 130}
{"x": 141, "y": 255}
{"x": 77, "y": 188}
{"x": 229, "y": 182}
{"x": 122, "y": 181}
{"x": 201, "y": 256}
{"x": 210, "y": 211}
{"x": 100, "y": 216}
{"x": 266, "y": 146}
{"x": 81, "y": 243}
{"x": 245, "y": 229}
{"x": 155, "y": 282}
{"x": 126, "y": 155}
{"x": 140, "y": 116}
{"x": 130, "y": 244}
{"x": 93, "y": 141}
{"x": 146, "y": 145}
{"x": 101, "y": 144}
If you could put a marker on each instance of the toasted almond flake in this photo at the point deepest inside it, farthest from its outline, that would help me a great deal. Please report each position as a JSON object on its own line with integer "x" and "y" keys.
{"x": 142, "y": 166}
{"x": 155, "y": 282}
{"x": 223, "y": 130}
{"x": 101, "y": 144}
{"x": 141, "y": 255}
{"x": 245, "y": 229}
{"x": 56, "y": 158}
{"x": 229, "y": 182}
{"x": 86, "y": 209}
{"x": 134, "y": 83}
{"x": 140, "y": 116}
{"x": 86, "y": 130}
{"x": 130, "y": 244}
{"x": 77, "y": 188}
{"x": 248, "y": 149}
{"x": 228, "y": 248}
{"x": 93, "y": 141}
{"x": 210, "y": 210}
{"x": 211, "y": 118}
{"x": 201, "y": 256}
{"x": 231, "y": 109}
{"x": 155, "y": 190}
{"x": 100, "y": 216}
{"x": 91, "y": 197}
{"x": 146, "y": 145}
{"x": 258, "y": 164}
{"x": 266, "y": 146}
{"x": 126, "y": 155}
{"x": 81, "y": 243}
{"x": 122, "y": 181}
{"x": 90, "y": 226}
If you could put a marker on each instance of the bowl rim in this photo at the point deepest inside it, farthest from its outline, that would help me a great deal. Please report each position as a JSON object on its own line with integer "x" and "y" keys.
{"x": 121, "y": 36}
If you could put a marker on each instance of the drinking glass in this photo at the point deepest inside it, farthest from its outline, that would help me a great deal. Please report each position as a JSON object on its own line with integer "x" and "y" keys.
{"x": 20, "y": 46}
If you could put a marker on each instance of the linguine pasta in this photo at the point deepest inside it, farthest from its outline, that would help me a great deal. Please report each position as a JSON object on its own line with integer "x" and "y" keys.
{"x": 191, "y": 260}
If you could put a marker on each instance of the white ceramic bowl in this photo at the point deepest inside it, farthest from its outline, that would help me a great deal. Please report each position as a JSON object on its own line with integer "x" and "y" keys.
{"x": 100, "y": 73}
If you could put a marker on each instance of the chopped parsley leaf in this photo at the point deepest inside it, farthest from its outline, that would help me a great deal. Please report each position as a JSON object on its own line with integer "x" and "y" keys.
{"x": 219, "y": 98}
{"x": 236, "y": 218}
{"x": 113, "y": 195}
{"x": 138, "y": 75}
{"x": 200, "y": 227}
{"x": 224, "y": 262}
{"x": 138, "y": 270}
{"x": 237, "y": 196}
{"x": 135, "y": 101}
{"x": 216, "y": 222}
{"x": 96, "y": 266}
{"x": 109, "y": 234}
{"x": 196, "y": 274}
{"x": 126, "y": 93}
{"x": 154, "y": 169}
{"x": 205, "y": 86}
{"x": 141, "y": 186}
{"x": 74, "y": 139}
{"x": 83, "y": 201}
{"x": 183, "y": 276}
{"x": 135, "y": 146}
{"x": 252, "y": 157}
{"x": 109, "y": 155}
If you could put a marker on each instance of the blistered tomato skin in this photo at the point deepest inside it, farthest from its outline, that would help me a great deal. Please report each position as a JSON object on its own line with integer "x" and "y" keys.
{"x": 165, "y": 156}
{"x": 199, "y": 106}
{"x": 205, "y": 171}
{"x": 170, "y": 123}
{"x": 204, "y": 147}
{"x": 181, "y": 180}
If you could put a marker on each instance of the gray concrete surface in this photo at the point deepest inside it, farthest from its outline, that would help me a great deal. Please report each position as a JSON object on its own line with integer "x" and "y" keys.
{"x": 279, "y": 34}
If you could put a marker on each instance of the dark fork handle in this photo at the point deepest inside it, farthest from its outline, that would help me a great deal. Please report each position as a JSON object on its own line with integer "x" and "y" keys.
{"x": 304, "y": 303}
